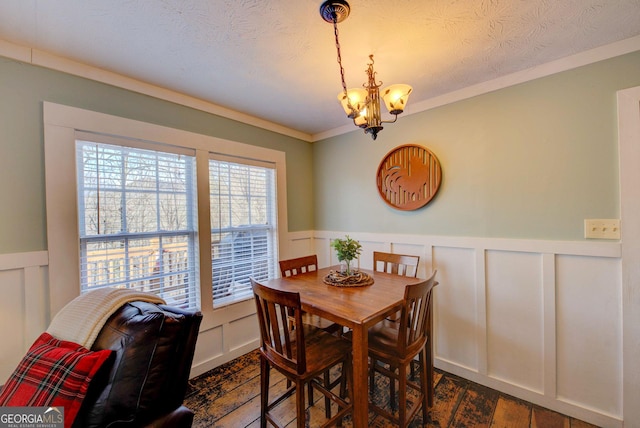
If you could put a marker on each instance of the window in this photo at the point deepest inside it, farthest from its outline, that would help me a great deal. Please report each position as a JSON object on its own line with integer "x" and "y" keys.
{"x": 130, "y": 204}
{"x": 243, "y": 232}
{"x": 137, "y": 221}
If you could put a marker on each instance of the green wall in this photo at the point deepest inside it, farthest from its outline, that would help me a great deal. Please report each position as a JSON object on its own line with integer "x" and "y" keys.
{"x": 529, "y": 161}
{"x": 24, "y": 87}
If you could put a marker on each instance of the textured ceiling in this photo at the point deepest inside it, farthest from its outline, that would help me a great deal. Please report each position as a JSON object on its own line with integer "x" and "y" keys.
{"x": 276, "y": 59}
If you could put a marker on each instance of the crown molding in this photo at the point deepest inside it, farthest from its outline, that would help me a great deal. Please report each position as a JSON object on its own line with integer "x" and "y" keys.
{"x": 57, "y": 63}
{"x": 563, "y": 64}
{"x": 48, "y": 60}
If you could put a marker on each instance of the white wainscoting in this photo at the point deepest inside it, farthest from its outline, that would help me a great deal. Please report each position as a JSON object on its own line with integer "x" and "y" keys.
{"x": 24, "y": 305}
{"x": 232, "y": 332}
{"x": 540, "y": 320}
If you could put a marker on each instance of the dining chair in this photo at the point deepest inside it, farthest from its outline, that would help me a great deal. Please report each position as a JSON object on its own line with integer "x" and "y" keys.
{"x": 298, "y": 265}
{"x": 293, "y": 267}
{"x": 302, "y": 353}
{"x": 399, "y": 264}
{"x": 396, "y": 344}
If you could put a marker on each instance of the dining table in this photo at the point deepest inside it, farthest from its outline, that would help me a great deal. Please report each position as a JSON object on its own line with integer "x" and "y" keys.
{"x": 355, "y": 307}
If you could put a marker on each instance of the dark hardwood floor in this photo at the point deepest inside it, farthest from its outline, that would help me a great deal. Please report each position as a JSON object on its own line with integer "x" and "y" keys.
{"x": 229, "y": 396}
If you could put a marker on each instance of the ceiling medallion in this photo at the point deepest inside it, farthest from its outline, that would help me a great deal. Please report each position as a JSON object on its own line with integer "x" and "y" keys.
{"x": 408, "y": 177}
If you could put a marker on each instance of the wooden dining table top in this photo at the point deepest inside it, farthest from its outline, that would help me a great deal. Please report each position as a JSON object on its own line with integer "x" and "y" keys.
{"x": 347, "y": 305}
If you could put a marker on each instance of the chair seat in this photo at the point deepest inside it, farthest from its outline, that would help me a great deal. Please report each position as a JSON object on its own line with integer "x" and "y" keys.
{"x": 322, "y": 350}
{"x": 383, "y": 337}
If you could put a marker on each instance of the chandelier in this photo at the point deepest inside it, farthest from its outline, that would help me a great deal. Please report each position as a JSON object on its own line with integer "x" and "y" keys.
{"x": 362, "y": 105}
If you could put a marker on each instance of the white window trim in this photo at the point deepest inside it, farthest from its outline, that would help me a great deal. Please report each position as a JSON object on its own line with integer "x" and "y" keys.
{"x": 628, "y": 139}
{"x": 61, "y": 124}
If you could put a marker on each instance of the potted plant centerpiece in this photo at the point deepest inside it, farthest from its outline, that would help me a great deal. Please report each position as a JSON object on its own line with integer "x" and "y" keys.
{"x": 347, "y": 249}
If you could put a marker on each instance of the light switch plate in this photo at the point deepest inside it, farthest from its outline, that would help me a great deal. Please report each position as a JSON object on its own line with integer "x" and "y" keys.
{"x": 602, "y": 228}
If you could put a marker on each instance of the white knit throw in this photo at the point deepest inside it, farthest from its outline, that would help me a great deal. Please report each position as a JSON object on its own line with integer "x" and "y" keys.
{"x": 81, "y": 320}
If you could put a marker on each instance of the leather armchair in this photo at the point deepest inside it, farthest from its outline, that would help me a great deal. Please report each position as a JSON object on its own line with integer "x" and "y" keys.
{"x": 146, "y": 382}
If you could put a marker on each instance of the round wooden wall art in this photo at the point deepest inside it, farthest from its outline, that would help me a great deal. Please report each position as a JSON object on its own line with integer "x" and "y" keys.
{"x": 409, "y": 177}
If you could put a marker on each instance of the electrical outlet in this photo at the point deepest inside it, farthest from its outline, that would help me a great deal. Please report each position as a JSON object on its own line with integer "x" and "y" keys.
{"x": 602, "y": 228}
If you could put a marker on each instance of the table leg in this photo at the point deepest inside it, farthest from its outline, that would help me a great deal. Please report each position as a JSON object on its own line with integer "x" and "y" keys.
{"x": 360, "y": 344}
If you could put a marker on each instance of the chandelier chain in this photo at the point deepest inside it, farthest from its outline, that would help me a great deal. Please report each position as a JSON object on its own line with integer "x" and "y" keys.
{"x": 339, "y": 59}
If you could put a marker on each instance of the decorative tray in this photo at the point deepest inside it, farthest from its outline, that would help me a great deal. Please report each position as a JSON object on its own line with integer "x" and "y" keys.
{"x": 356, "y": 279}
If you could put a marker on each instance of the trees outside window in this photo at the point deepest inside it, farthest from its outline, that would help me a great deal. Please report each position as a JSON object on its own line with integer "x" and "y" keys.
{"x": 137, "y": 221}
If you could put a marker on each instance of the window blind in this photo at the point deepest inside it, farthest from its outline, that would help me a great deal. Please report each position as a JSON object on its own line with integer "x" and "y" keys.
{"x": 243, "y": 227}
{"x": 137, "y": 221}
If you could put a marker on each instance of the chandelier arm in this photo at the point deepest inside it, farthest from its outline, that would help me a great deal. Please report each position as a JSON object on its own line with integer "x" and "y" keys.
{"x": 390, "y": 121}
{"x": 364, "y": 125}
